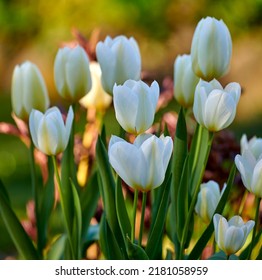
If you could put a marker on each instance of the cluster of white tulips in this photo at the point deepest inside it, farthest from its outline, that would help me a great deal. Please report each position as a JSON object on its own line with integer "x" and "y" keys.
{"x": 169, "y": 169}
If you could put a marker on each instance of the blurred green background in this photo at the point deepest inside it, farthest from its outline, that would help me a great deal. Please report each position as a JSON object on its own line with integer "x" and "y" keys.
{"x": 34, "y": 30}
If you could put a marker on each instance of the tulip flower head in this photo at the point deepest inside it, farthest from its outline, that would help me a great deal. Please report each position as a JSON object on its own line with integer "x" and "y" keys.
{"x": 207, "y": 200}
{"x": 135, "y": 105}
{"x": 215, "y": 107}
{"x": 119, "y": 59}
{"x": 211, "y": 49}
{"x": 142, "y": 165}
{"x": 250, "y": 170}
{"x": 71, "y": 73}
{"x": 49, "y": 132}
{"x": 28, "y": 90}
{"x": 96, "y": 98}
{"x": 231, "y": 235}
{"x": 185, "y": 81}
{"x": 254, "y": 145}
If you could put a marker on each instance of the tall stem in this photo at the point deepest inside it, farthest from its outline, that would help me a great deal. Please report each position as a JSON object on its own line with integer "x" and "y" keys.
{"x": 142, "y": 218}
{"x": 35, "y": 193}
{"x": 64, "y": 210}
{"x": 194, "y": 198}
{"x": 134, "y": 216}
{"x": 258, "y": 200}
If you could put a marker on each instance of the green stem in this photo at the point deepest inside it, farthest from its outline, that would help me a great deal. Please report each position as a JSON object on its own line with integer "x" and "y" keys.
{"x": 62, "y": 199}
{"x": 35, "y": 193}
{"x": 194, "y": 198}
{"x": 71, "y": 145}
{"x": 134, "y": 216}
{"x": 198, "y": 145}
{"x": 142, "y": 218}
{"x": 258, "y": 200}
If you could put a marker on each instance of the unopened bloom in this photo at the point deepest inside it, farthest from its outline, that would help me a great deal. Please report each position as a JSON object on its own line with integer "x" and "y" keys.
{"x": 119, "y": 59}
{"x": 211, "y": 49}
{"x": 215, "y": 107}
{"x": 185, "y": 81}
{"x": 142, "y": 165}
{"x": 96, "y": 98}
{"x": 71, "y": 73}
{"x": 250, "y": 170}
{"x": 254, "y": 145}
{"x": 49, "y": 132}
{"x": 28, "y": 90}
{"x": 231, "y": 235}
{"x": 207, "y": 200}
{"x": 135, "y": 105}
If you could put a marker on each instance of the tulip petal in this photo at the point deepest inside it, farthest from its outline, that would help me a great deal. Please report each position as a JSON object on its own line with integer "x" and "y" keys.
{"x": 152, "y": 150}
{"x": 34, "y": 122}
{"x": 48, "y": 137}
{"x": 129, "y": 163}
{"x": 256, "y": 184}
{"x": 220, "y": 110}
{"x": 126, "y": 106}
{"x": 234, "y": 240}
{"x": 78, "y": 73}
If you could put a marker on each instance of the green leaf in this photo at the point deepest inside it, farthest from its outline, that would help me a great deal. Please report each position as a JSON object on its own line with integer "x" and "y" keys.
{"x": 66, "y": 187}
{"x": 108, "y": 192}
{"x": 77, "y": 223}
{"x": 121, "y": 211}
{"x": 155, "y": 236}
{"x": 108, "y": 241}
{"x": 197, "y": 155}
{"x": 201, "y": 243}
{"x": 180, "y": 152}
{"x": 56, "y": 251}
{"x": 135, "y": 252}
{"x": 21, "y": 240}
{"x": 182, "y": 201}
{"x": 89, "y": 196}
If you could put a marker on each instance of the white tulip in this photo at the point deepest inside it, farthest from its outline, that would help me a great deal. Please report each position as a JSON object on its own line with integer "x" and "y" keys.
{"x": 211, "y": 49}
{"x": 207, "y": 200}
{"x": 119, "y": 59}
{"x": 250, "y": 169}
{"x": 254, "y": 145}
{"x": 142, "y": 165}
{"x": 231, "y": 235}
{"x": 96, "y": 98}
{"x": 215, "y": 107}
{"x": 185, "y": 81}
{"x": 71, "y": 73}
{"x": 135, "y": 105}
{"x": 49, "y": 133}
{"x": 28, "y": 90}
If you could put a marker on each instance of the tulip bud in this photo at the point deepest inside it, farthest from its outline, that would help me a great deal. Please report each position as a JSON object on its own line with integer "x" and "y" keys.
{"x": 250, "y": 170}
{"x": 254, "y": 145}
{"x": 135, "y": 105}
{"x": 142, "y": 165}
{"x": 207, "y": 200}
{"x": 211, "y": 49}
{"x": 49, "y": 133}
{"x": 96, "y": 98}
{"x": 71, "y": 73}
{"x": 185, "y": 81}
{"x": 215, "y": 107}
{"x": 119, "y": 59}
{"x": 231, "y": 236}
{"x": 28, "y": 90}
